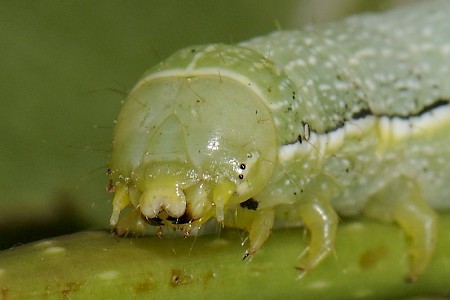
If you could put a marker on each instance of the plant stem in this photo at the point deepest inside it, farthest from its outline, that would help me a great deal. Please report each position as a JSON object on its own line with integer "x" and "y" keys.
{"x": 371, "y": 261}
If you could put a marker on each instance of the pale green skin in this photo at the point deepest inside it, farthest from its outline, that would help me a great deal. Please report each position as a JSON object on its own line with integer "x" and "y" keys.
{"x": 377, "y": 145}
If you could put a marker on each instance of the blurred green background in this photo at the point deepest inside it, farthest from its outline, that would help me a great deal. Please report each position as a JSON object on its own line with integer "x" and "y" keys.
{"x": 65, "y": 68}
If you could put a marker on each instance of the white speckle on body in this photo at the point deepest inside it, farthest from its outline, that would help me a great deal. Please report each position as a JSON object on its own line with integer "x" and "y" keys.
{"x": 312, "y": 60}
{"x": 324, "y": 87}
{"x": 445, "y": 49}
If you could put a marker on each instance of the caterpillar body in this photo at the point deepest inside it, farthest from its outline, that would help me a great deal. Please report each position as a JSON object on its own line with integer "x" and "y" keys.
{"x": 296, "y": 127}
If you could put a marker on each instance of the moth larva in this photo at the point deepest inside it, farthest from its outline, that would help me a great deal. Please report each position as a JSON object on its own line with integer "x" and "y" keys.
{"x": 215, "y": 132}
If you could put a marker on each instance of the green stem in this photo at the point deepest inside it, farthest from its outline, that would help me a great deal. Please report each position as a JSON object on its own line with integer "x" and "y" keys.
{"x": 370, "y": 262}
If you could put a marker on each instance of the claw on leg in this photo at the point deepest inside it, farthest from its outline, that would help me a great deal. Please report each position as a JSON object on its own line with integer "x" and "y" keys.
{"x": 401, "y": 202}
{"x": 259, "y": 230}
{"x": 258, "y": 224}
{"x": 321, "y": 220}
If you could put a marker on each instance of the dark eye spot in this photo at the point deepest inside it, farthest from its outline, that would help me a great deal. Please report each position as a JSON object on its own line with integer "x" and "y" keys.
{"x": 242, "y": 166}
{"x": 241, "y": 176}
{"x": 251, "y": 204}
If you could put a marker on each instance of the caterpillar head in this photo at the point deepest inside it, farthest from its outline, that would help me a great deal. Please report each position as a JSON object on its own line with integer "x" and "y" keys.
{"x": 187, "y": 148}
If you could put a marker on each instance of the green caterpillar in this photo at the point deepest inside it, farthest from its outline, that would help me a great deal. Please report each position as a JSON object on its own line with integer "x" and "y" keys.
{"x": 295, "y": 128}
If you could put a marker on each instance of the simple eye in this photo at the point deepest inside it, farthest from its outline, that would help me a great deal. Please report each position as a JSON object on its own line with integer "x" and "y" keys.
{"x": 242, "y": 166}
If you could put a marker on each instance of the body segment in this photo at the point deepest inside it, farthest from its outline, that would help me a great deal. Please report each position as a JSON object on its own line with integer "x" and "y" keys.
{"x": 296, "y": 128}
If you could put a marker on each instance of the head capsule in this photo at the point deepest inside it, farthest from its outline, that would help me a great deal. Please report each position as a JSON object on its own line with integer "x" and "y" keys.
{"x": 192, "y": 142}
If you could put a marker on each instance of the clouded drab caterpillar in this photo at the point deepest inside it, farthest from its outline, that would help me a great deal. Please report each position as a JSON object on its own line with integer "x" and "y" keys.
{"x": 296, "y": 127}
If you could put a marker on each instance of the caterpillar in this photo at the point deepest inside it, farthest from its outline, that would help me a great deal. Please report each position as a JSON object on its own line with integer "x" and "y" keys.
{"x": 295, "y": 128}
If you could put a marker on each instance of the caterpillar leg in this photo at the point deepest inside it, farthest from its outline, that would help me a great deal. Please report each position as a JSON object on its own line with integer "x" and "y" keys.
{"x": 120, "y": 201}
{"x": 317, "y": 215}
{"x": 401, "y": 201}
{"x": 132, "y": 221}
{"x": 321, "y": 220}
{"x": 258, "y": 224}
{"x": 259, "y": 230}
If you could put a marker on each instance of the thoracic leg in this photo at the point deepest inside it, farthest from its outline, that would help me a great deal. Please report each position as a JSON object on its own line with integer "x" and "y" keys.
{"x": 120, "y": 201}
{"x": 260, "y": 230}
{"x": 130, "y": 223}
{"x": 401, "y": 201}
{"x": 258, "y": 224}
{"x": 321, "y": 220}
